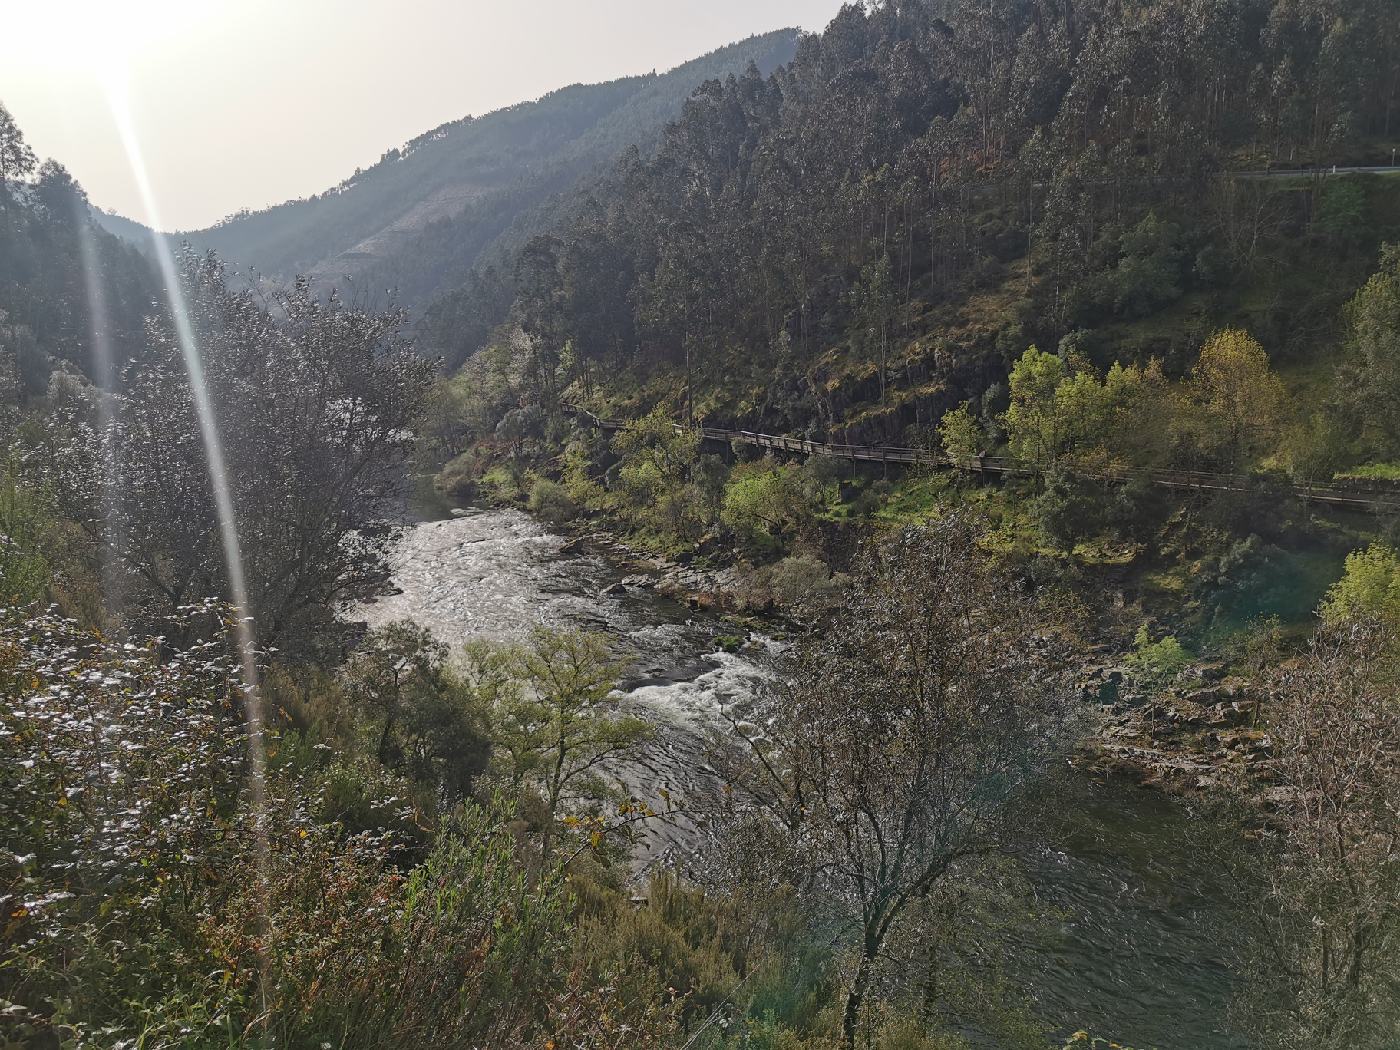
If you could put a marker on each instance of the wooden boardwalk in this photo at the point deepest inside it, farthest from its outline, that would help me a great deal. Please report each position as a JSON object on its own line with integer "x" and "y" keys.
{"x": 1375, "y": 498}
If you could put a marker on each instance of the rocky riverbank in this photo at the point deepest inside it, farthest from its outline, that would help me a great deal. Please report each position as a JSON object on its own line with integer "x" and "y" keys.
{"x": 1203, "y": 737}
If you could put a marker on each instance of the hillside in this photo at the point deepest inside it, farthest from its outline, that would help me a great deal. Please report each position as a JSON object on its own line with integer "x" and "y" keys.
{"x": 74, "y": 299}
{"x": 877, "y": 230}
{"x": 869, "y": 245}
{"x": 420, "y": 218}
{"x": 915, "y": 563}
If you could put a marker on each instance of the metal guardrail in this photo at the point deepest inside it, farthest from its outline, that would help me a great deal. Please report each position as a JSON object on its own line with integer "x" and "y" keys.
{"x": 1376, "y": 498}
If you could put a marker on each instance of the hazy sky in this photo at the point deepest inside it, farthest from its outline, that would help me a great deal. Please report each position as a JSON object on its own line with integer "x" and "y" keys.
{"x": 245, "y": 103}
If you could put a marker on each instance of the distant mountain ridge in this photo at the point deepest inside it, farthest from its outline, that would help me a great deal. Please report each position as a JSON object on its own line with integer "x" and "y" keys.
{"x": 420, "y": 219}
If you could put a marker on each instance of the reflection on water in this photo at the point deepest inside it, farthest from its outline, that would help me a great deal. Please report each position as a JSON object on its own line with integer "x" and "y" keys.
{"x": 1137, "y": 954}
{"x": 1141, "y": 951}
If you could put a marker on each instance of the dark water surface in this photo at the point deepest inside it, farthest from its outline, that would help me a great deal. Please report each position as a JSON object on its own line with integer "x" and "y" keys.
{"x": 1136, "y": 952}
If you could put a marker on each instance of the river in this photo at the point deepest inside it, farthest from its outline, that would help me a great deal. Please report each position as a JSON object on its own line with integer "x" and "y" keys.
{"x": 1137, "y": 950}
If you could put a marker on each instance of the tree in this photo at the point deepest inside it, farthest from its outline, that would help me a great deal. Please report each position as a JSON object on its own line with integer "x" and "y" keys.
{"x": 146, "y": 894}
{"x": 1035, "y": 431}
{"x": 1062, "y": 410}
{"x": 430, "y": 726}
{"x": 898, "y": 734}
{"x": 60, "y": 195}
{"x": 17, "y": 160}
{"x": 875, "y": 307}
{"x": 560, "y": 733}
{"x": 763, "y": 498}
{"x": 654, "y": 475}
{"x": 1368, "y": 590}
{"x": 1370, "y": 382}
{"x": 1235, "y": 397}
{"x": 961, "y": 433}
{"x": 1328, "y": 974}
{"x": 315, "y": 404}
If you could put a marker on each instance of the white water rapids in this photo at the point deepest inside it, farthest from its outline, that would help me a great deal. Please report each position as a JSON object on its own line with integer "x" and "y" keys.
{"x": 496, "y": 574}
{"x": 1138, "y": 954}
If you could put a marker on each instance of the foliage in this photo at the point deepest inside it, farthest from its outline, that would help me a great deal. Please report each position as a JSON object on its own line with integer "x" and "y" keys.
{"x": 556, "y": 731}
{"x": 428, "y": 722}
{"x": 25, "y": 518}
{"x": 1332, "y": 912}
{"x": 314, "y": 406}
{"x": 763, "y": 499}
{"x": 859, "y": 237}
{"x": 1374, "y": 472}
{"x": 1082, "y": 1040}
{"x": 1036, "y": 431}
{"x": 1237, "y": 399}
{"x": 1062, "y": 410}
{"x": 156, "y": 889}
{"x": 17, "y": 160}
{"x": 654, "y": 474}
{"x": 961, "y": 434}
{"x": 72, "y": 297}
{"x": 1368, "y": 590}
{"x": 1157, "y": 662}
{"x": 552, "y": 502}
{"x": 1370, "y": 388}
{"x": 897, "y": 733}
{"x": 120, "y": 782}
{"x": 1067, "y": 509}
{"x": 1342, "y": 211}
{"x": 1149, "y": 271}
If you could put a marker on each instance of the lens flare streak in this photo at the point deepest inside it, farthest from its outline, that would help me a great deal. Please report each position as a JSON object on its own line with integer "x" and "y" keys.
{"x": 214, "y": 456}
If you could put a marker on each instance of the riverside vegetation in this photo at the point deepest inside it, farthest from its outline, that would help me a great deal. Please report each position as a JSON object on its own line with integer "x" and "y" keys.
{"x": 1025, "y": 225}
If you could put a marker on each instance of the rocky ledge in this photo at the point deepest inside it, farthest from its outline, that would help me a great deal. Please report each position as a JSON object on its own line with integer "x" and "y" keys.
{"x": 699, "y": 587}
{"x": 1181, "y": 739}
{"x": 1199, "y": 738}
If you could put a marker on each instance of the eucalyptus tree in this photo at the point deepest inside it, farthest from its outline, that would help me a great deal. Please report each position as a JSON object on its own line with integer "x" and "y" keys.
{"x": 17, "y": 160}
{"x": 901, "y": 731}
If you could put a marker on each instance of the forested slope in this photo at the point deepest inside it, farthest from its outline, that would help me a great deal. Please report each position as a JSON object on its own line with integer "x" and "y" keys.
{"x": 72, "y": 296}
{"x": 417, "y": 220}
{"x": 875, "y": 232}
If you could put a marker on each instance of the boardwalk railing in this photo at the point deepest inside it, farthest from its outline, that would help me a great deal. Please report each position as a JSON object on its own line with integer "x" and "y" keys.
{"x": 1376, "y": 498}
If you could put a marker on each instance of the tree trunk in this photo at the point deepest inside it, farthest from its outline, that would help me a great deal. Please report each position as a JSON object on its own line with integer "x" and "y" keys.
{"x": 386, "y": 738}
{"x": 855, "y": 999}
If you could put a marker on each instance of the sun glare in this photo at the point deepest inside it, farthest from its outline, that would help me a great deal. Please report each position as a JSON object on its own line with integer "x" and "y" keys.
{"x": 100, "y": 36}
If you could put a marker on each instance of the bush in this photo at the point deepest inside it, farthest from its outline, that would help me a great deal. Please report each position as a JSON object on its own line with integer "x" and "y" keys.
{"x": 803, "y": 580}
{"x": 551, "y": 501}
{"x": 961, "y": 433}
{"x": 761, "y": 501}
{"x": 1157, "y": 663}
{"x": 1369, "y": 589}
{"x": 1067, "y": 510}
{"x": 460, "y": 476}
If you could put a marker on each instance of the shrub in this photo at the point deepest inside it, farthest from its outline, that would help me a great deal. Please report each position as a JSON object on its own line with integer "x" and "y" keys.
{"x": 459, "y": 477}
{"x": 803, "y": 580}
{"x": 961, "y": 433}
{"x": 552, "y": 502}
{"x": 1067, "y": 510}
{"x": 1157, "y": 662}
{"x": 762, "y": 500}
{"x": 1368, "y": 589}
